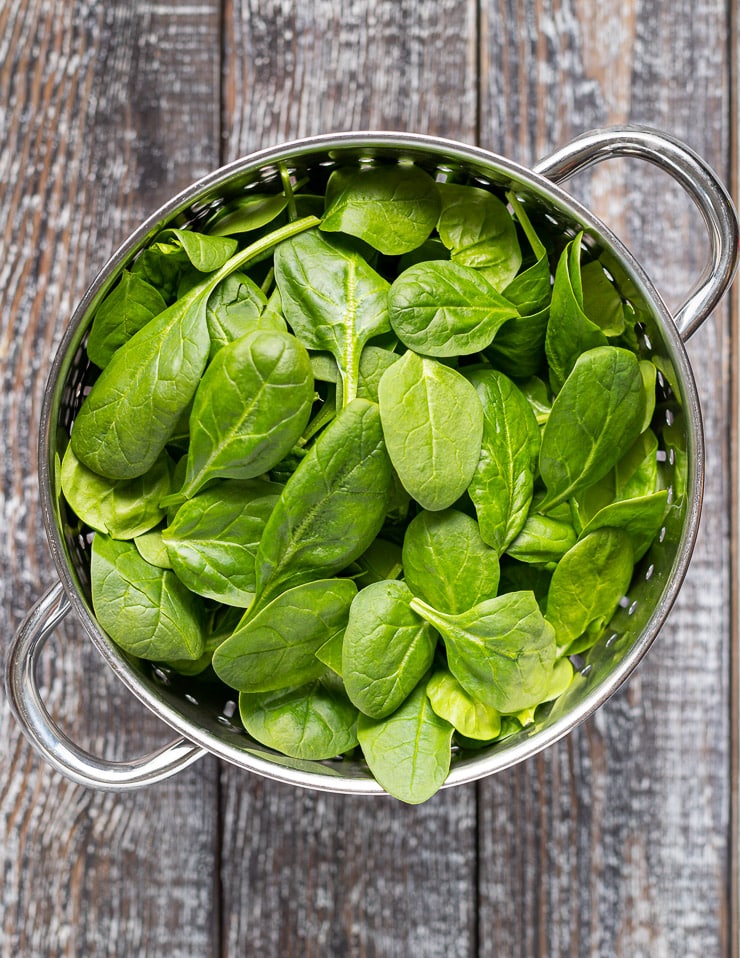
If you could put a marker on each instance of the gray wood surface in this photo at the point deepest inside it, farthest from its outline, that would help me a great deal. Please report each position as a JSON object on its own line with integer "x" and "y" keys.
{"x": 615, "y": 842}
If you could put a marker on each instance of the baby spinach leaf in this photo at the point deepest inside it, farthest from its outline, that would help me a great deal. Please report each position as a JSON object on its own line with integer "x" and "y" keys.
{"x": 373, "y": 363}
{"x": 151, "y": 548}
{"x": 447, "y": 563}
{"x": 381, "y": 560}
{"x": 560, "y": 680}
{"x": 205, "y": 253}
{"x": 479, "y": 231}
{"x": 588, "y": 583}
{"x": 408, "y": 752}
{"x": 249, "y": 213}
{"x": 276, "y": 648}
{"x": 442, "y": 308}
{"x": 649, "y": 379}
{"x": 469, "y": 717}
{"x": 503, "y": 481}
{"x": 123, "y": 509}
{"x": 433, "y": 425}
{"x": 519, "y": 346}
{"x": 330, "y": 653}
{"x": 145, "y": 610}
{"x": 333, "y": 505}
{"x": 636, "y": 473}
{"x": 635, "y": 476}
{"x": 530, "y": 289}
{"x": 250, "y": 408}
{"x": 162, "y": 265}
{"x": 569, "y": 331}
{"x": 234, "y": 309}
{"x": 387, "y": 648}
{"x": 136, "y": 403}
{"x": 502, "y": 651}
{"x": 314, "y": 721}
{"x": 641, "y": 518}
{"x": 537, "y": 394}
{"x": 542, "y": 539}
{"x": 595, "y": 418}
{"x": 131, "y": 304}
{"x": 601, "y": 300}
{"x": 133, "y": 407}
{"x": 213, "y": 538}
{"x": 332, "y": 299}
{"x": 393, "y": 208}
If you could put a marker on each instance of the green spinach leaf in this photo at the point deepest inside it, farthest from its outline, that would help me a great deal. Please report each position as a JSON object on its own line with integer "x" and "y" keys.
{"x": 131, "y": 304}
{"x": 205, "y": 253}
{"x": 479, "y": 231}
{"x": 235, "y": 308}
{"x": 333, "y": 505}
{"x": 145, "y": 610}
{"x": 314, "y": 721}
{"x": 408, "y": 752}
{"x": 433, "y": 426}
{"x": 569, "y": 330}
{"x": 393, "y": 208}
{"x": 276, "y": 648}
{"x": 588, "y": 583}
{"x": 387, "y": 648}
{"x": 213, "y": 538}
{"x": 442, "y": 308}
{"x": 249, "y": 213}
{"x": 601, "y": 300}
{"x": 250, "y": 408}
{"x": 503, "y": 481}
{"x": 152, "y": 548}
{"x": 332, "y": 299}
{"x": 447, "y": 563}
{"x": 502, "y": 651}
{"x": 542, "y": 539}
{"x": 470, "y": 718}
{"x": 595, "y": 418}
{"x": 641, "y": 518}
{"x": 123, "y": 509}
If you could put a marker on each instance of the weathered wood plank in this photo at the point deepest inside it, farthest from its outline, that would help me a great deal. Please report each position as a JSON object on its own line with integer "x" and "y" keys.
{"x": 308, "y": 874}
{"x": 323, "y": 875}
{"x": 299, "y": 69}
{"x": 83, "y": 158}
{"x": 616, "y": 840}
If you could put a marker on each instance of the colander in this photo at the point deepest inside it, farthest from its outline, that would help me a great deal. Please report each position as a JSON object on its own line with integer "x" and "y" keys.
{"x": 203, "y": 714}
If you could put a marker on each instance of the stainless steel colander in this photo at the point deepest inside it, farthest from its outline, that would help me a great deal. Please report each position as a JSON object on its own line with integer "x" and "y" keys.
{"x": 205, "y": 715}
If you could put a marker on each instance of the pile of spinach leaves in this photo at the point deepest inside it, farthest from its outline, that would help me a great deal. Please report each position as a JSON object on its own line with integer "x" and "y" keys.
{"x": 379, "y": 459}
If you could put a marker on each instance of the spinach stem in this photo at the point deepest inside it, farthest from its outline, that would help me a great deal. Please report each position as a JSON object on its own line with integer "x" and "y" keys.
{"x": 534, "y": 241}
{"x": 289, "y": 193}
{"x": 262, "y": 245}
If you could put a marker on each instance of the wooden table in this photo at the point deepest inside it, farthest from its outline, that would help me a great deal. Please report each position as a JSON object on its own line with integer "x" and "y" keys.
{"x": 619, "y": 841}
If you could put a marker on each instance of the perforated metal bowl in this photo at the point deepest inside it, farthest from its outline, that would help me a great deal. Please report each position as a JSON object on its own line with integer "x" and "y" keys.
{"x": 204, "y": 715}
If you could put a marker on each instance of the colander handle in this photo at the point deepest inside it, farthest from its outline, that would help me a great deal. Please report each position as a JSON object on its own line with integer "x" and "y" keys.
{"x": 694, "y": 175}
{"x": 44, "y": 734}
